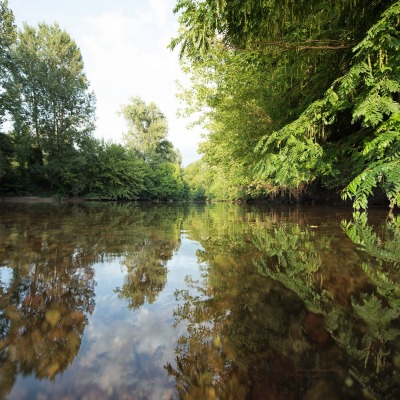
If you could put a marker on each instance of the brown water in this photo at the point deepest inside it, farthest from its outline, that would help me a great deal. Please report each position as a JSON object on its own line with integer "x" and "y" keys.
{"x": 130, "y": 301}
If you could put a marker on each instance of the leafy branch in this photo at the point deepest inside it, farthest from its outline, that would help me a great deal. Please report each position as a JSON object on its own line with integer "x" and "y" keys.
{"x": 369, "y": 90}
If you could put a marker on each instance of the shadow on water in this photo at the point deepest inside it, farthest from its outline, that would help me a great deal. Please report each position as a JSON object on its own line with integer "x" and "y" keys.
{"x": 299, "y": 303}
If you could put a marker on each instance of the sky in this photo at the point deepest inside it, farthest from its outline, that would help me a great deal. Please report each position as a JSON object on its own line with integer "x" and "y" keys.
{"x": 124, "y": 48}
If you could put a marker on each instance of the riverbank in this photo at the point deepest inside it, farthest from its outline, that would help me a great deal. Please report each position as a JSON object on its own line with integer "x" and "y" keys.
{"x": 28, "y": 199}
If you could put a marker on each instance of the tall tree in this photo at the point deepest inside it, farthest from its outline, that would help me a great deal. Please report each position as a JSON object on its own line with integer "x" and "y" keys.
{"x": 147, "y": 131}
{"x": 7, "y": 38}
{"x": 55, "y": 108}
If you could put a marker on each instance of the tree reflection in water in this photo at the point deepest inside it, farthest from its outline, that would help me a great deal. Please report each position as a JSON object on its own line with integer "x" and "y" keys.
{"x": 146, "y": 260}
{"x": 276, "y": 316}
{"x": 49, "y": 251}
{"x": 44, "y": 306}
{"x": 146, "y": 276}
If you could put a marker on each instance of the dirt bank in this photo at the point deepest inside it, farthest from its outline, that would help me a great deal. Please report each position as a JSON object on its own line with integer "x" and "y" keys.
{"x": 28, "y": 199}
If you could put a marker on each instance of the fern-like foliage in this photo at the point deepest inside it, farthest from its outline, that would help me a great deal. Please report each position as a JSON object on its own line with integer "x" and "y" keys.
{"x": 382, "y": 250}
{"x": 385, "y": 247}
{"x": 293, "y": 154}
{"x": 378, "y": 317}
{"x": 383, "y": 152}
{"x": 370, "y": 91}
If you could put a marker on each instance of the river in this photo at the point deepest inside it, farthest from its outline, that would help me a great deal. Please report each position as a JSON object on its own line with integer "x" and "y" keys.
{"x": 217, "y": 301}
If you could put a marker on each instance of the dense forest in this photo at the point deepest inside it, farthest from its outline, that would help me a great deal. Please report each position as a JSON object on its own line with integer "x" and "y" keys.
{"x": 294, "y": 98}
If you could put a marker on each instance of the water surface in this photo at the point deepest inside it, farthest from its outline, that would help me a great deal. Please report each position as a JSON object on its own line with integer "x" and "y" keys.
{"x": 132, "y": 301}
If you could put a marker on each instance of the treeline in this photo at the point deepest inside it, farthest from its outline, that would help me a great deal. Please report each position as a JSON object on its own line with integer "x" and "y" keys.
{"x": 294, "y": 95}
{"x": 47, "y": 120}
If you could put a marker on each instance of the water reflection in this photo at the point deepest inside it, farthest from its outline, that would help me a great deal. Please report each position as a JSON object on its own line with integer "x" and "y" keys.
{"x": 288, "y": 308}
{"x": 360, "y": 316}
{"x": 276, "y": 304}
{"x": 49, "y": 252}
{"x": 44, "y": 306}
{"x": 146, "y": 273}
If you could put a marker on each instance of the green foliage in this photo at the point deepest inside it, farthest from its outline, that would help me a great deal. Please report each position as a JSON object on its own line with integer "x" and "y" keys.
{"x": 383, "y": 169}
{"x": 112, "y": 172}
{"x": 147, "y": 137}
{"x": 51, "y": 151}
{"x": 51, "y": 110}
{"x": 267, "y": 24}
{"x": 8, "y": 35}
{"x": 194, "y": 176}
{"x": 7, "y": 28}
{"x": 215, "y": 182}
{"x": 378, "y": 108}
{"x": 286, "y": 102}
{"x": 7, "y": 38}
{"x": 6, "y": 155}
{"x": 369, "y": 90}
{"x": 147, "y": 131}
{"x": 54, "y": 109}
{"x": 164, "y": 182}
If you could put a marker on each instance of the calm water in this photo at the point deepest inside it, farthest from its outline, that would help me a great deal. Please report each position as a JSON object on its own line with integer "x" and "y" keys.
{"x": 130, "y": 301}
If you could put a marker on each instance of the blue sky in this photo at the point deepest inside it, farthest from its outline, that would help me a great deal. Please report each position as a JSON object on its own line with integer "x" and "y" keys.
{"x": 124, "y": 47}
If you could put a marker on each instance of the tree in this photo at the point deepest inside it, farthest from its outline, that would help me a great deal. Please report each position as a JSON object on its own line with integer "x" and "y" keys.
{"x": 366, "y": 98}
{"x": 194, "y": 175}
{"x": 112, "y": 172}
{"x": 55, "y": 108}
{"x": 7, "y": 38}
{"x": 165, "y": 182}
{"x": 266, "y": 25}
{"x": 6, "y": 155}
{"x": 147, "y": 136}
{"x": 257, "y": 66}
{"x": 147, "y": 131}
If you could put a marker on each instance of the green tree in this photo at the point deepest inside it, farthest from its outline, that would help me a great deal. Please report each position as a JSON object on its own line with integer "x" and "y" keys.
{"x": 112, "y": 172}
{"x": 366, "y": 98}
{"x": 6, "y": 157}
{"x": 271, "y": 25}
{"x": 147, "y": 130}
{"x": 194, "y": 177}
{"x": 147, "y": 136}
{"x": 165, "y": 182}
{"x": 7, "y": 38}
{"x": 256, "y": 66}
{"x": 55, "y": 109}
